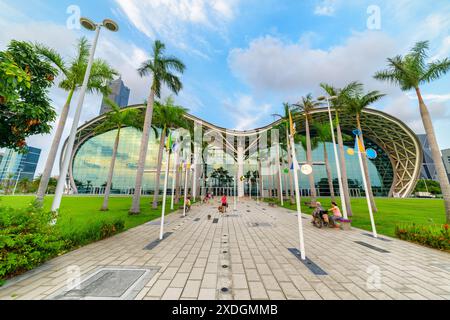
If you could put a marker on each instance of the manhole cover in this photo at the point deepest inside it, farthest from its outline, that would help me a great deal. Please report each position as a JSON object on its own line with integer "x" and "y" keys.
{"x": 110, "y": 283}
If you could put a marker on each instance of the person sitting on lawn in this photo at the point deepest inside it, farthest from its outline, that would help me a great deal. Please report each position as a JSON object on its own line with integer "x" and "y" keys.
{"x": 336, "y": 213}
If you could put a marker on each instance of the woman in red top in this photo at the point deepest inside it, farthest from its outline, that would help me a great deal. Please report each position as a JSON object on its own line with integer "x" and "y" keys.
{"x": 224, "y": 203}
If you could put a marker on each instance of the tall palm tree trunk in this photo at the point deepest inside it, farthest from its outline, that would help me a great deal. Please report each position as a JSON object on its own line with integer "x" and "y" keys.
{"x": 261, "y": 191}
{"x": 291, "y": 179}
{"x": 309, "y": 160}
{"x": 135, "y": 208}
{"x": 158, "y": 168}
{"x": 342, "y": 163}
{"x": 278, "y": 175}
{"x": 43, "y": 185}
{"x": 366, "y": 169}
{"x": 111, "y": 173}
{"x": 436, "y": 154}
{"x": 329, "y": 175}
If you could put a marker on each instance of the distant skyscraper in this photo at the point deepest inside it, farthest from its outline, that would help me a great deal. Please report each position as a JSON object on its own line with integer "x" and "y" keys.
{"x": 446, "y": 159}
{"x": 428, "y": 167}
{"x": 17, "y": 165}
{"x": 120, "y": 94}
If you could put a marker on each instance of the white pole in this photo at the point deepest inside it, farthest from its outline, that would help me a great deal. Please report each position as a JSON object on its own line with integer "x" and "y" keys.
{"x": 17, "y": 181}
{"x": 279, "y": 174}
{"x": 298, "y": 199}
{"x": 369, "y": 204}
{"x": 235, "y": 195}
{"x": 163, "y": 210}
{"x": 175, "y": 169}
{"x": 185, "y": 190}
{"x": 338, "y": 167}
{"x": 257, "y": 190}
{"x": 68, "y": 153}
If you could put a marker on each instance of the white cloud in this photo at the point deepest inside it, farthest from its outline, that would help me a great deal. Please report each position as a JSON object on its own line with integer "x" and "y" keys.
{"x": 270, "y": 64}
{"x": 325, "y": 8}
{"x": 406, "y": 108}
{"x": 173, "y": 20}
{"x": 245, "y": 112}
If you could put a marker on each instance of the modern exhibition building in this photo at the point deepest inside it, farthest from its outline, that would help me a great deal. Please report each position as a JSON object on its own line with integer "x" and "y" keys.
{"x": 394, "y": 172}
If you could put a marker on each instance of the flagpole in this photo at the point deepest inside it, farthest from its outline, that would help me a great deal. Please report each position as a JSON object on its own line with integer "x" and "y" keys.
{"x": 297, "y": 189}
{"x": 185, "y": 189}
{"x": 366, "y": 188}
{"x": 175, "y": 168}
{"x": 163, "y": 211}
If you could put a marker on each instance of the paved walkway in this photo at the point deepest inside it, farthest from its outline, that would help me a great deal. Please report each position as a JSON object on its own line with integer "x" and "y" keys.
{"x": 246, "y": 253}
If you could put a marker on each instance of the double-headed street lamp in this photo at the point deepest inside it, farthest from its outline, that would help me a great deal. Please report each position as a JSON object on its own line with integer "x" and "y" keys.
{"x": 91, "y": 26}
{"x": 341, "y": 187}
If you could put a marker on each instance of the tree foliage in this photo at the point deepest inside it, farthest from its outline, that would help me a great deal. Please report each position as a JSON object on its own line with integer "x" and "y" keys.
{"x": 25, "y": 80}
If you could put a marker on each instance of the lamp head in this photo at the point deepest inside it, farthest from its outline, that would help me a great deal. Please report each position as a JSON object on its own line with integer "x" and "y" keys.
{"x": 88, "y": 24}
{"x": 110, "y": 25}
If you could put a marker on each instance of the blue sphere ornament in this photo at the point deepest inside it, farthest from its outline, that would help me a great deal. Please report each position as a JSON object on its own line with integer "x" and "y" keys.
{"x": 371, "y": 154}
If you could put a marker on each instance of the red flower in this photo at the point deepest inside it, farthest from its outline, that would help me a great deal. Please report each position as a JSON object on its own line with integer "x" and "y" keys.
{"x": 446, "y": 226}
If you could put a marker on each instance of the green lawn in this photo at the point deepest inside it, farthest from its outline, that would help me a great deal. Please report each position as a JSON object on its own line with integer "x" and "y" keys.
{"x": 392, "y": 212}
{"x": 77, "y": 211}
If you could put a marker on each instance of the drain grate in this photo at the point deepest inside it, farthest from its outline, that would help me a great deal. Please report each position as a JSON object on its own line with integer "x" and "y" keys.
{"x": 215, "y": 220}
{"x": 156, "y": 223}
{"x": 445, "y": 267}
{"x": 154, "y": 244}
{"x": 314, "y": 268}
{"x": 379, "y": 238}
{"x": 196, "y": 219}
{"x": 371, "y": 247}
{"x": 110, "y": 283}
{"x": 259, "y": 224}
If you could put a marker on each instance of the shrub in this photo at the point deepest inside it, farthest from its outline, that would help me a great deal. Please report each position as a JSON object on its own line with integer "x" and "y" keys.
{"x": 92, "y": 232}
{"x": 27, "y": 239}
{"x": 437, "y": 237}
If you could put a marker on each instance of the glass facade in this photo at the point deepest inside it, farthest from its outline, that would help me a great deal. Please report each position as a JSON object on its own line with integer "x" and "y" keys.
{"x": 14, "y": 165}
{"x": 92, "y": 161}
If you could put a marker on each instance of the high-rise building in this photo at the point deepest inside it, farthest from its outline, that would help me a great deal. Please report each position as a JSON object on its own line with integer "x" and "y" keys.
{"x": 120, "y": 94}
{"x": 15, "y": 165}
{"x": 428, "y": 167}
{"x": 446, "y": 160}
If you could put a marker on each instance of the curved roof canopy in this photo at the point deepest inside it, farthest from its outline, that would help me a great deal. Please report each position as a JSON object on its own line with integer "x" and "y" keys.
{"x": 395, "y": 138}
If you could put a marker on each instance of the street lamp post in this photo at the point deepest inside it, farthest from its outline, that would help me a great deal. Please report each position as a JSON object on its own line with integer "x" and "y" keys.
{"x": 338, "y": 168}
{"x": 91, "y": 26}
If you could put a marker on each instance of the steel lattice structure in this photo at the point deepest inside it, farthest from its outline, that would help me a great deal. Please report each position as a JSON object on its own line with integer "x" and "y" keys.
{"x": 394, "y": 137}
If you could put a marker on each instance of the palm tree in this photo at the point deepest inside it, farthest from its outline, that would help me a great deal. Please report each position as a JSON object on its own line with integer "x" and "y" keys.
{"x": 73, "y": 72}
{"x": 307, "y": 105}
{"x": 323, "y": 133}
{"x": 338, "y": 105}
{"x": 356, "y": 102}
{"x": 166, "y": 116}
{"x": 284, "y": 138}
{"x": 410, "y": 72}
{"x": 117, "y": 119}
{"x": 161, "y": 68}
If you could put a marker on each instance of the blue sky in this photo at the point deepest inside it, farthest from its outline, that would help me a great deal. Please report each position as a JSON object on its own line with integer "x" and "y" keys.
{"x": 246, "y": 57}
